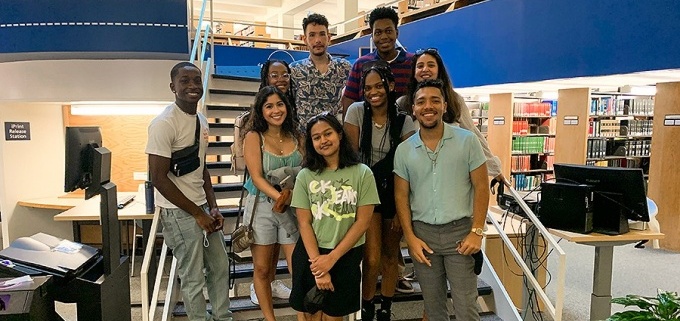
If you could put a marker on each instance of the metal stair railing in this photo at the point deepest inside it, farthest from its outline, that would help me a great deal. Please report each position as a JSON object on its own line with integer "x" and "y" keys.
{"x": 555, "y": 310}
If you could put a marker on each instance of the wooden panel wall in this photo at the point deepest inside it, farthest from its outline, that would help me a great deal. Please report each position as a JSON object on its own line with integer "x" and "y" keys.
{"x": 125, "y": 136}
{"x": 571, "y": 140}
{"x": 664, "y": 169}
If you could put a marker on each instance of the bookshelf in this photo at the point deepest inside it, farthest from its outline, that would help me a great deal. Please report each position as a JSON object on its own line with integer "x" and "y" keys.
{"x": 617, "y": 128}
{"x": 479, "y": 111}
{"x": 526, "y": 126}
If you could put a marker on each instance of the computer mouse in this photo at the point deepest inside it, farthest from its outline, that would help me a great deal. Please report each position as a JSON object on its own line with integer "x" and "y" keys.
{"x": 30, "y": 244}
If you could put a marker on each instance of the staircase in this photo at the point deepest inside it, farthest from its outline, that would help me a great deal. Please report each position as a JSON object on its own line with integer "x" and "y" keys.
{"x": 227, "y": 97}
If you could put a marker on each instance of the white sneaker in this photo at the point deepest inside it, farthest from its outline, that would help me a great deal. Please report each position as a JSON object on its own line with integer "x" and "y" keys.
{"x": 253, "y": 296}
{"x": 280, "y": 290}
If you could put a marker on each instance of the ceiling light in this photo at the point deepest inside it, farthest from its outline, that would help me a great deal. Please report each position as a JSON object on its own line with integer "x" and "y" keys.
{"x": 93, "y": 108}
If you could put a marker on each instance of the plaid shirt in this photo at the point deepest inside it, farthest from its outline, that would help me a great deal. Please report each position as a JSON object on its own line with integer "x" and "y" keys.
{"x": 316, "y": 93}
{"x": 401, "y": 68}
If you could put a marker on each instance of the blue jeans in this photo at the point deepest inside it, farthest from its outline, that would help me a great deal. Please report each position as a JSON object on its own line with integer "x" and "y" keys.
{"x": 185, "y": 238}
{"x": 447, "y": 264}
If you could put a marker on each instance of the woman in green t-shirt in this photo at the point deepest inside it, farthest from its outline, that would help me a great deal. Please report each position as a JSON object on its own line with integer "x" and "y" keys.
{"x": 334, "y": 196}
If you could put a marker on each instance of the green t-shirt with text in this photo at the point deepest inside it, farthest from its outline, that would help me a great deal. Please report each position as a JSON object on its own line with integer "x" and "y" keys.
{"x": 333, "y": 198}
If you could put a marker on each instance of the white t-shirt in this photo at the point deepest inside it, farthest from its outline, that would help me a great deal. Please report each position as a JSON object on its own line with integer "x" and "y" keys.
{"x": 171, "y": 131}
{"x": 380, "y": 139}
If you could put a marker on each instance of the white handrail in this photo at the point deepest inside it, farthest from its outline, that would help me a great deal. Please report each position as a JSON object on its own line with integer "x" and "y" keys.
{"x": 556, "y": 309}
{"x": 144, "y": 273}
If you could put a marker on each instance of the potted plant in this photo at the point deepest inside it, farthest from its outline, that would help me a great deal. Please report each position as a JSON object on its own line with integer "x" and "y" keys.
{"x": 664, "y": 307}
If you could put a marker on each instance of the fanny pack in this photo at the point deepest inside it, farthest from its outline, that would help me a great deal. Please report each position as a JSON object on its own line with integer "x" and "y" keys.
{"x": 186, "y": 160}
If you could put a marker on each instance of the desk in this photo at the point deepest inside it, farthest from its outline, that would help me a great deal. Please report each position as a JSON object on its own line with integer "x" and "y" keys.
{"x": 600, "y": 299}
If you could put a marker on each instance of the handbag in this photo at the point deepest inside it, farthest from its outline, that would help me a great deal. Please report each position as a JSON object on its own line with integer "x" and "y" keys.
{"x": 186, "y": 160}
{"x": 243, "y": 235}
{"x": 313, "y": 301}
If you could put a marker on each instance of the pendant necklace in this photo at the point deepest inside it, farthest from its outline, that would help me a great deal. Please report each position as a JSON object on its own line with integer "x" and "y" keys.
{"x": 280, "y": 139}
{"x": 434, "y": 154}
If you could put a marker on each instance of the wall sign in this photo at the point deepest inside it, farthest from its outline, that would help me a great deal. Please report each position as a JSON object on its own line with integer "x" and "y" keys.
{"x": 571, "y": 120}
{"x": 499, "y": 120}
{"x": 671, "y": 120}
{"x": 17, "y": 131}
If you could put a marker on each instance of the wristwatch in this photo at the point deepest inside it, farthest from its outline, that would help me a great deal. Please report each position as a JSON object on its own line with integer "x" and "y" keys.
{"x": 477, "y": 230}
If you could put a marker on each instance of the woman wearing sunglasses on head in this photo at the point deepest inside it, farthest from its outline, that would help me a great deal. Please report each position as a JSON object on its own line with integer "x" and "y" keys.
{"x": 375, "y": 128}
{"x": 428, "y": 64}
{"x": 276, "y": 73}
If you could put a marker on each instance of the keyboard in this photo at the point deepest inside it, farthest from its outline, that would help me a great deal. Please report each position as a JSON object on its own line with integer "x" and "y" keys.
{"x": 125, "y": 201}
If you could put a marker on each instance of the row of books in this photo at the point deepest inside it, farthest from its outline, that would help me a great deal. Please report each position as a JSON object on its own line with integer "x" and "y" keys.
{"x": 478, "y": 109}
{"x": 526, "y": 126}
{"x": 622, "y": 162}
{"x": 535, "y": 109}
{"x": 531, "y": 145}
{"x": 623, "y": 127}
{"x": 529, "y": 162}
{"x": 598, "y": 148}
{"x": 522, "y": 182}
{"x": 613, "y": 106}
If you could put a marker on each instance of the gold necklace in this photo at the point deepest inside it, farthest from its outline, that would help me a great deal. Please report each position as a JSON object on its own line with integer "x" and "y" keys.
{"x": 280, "y": 139}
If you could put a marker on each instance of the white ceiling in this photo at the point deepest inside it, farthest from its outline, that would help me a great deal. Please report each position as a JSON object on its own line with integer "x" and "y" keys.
{"x": 269, "y": 10}
{"x": 609, "y": 83}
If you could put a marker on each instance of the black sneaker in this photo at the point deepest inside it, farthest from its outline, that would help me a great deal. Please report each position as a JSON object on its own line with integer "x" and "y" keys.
{"x": 384, "y": 315}
{"x": 368, "y": 312}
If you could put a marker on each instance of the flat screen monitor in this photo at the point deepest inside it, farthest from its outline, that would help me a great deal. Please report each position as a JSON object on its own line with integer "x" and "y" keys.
{"x": 619, "y": 194}
{"x": 80, "y": 153}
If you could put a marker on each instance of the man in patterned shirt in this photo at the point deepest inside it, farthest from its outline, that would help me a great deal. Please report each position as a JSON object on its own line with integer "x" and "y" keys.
{"x": 319, "y": 79}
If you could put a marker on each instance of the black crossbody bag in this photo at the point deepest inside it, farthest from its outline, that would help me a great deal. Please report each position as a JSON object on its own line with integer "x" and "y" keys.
{"x": 186, "y": 160}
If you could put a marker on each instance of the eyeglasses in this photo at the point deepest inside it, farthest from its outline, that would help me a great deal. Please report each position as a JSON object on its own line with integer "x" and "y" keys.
{"x": 433, "y": 51}
{"x": 276, "y": 76}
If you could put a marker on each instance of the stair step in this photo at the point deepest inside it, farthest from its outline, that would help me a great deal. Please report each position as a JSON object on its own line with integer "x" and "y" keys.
{"x": 219, "y": 148}
{"x": 231, "y": 97}
{"x": 219, "y": 168}
{"x": 227, "y": 190}
{"x": 243, "y": 303}
{"x": 230, "y": 212}
{"x": 221, "y": 129}
{"x": 225, "y": 111}
{"x": 234, "y": 83}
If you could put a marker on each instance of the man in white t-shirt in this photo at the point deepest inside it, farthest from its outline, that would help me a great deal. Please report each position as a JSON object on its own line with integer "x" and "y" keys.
{"x": 192, "y": 223}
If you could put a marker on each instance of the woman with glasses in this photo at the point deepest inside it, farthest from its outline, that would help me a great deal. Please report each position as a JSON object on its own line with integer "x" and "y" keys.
{"x": 272, "y": 142}
{"x": 375, "y": 128}
{"x": 275, "y": 72}
{"x": 428, "y": 64}
{"x": 334, "y": 196}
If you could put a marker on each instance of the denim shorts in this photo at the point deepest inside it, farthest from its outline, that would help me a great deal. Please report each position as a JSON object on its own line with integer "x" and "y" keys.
{"x": 270, "y": 227}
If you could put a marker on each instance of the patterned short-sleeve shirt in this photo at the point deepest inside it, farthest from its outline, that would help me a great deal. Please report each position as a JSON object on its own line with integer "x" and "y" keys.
{"x": 316, "y": 92}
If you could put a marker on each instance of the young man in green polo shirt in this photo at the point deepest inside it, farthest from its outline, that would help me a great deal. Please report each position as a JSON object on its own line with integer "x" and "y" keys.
{"x": 441, "y": 188}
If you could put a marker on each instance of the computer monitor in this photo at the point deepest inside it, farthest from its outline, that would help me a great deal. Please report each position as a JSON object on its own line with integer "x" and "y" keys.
{"x": 81, "y": 145}
{"x": 619, "y": 194}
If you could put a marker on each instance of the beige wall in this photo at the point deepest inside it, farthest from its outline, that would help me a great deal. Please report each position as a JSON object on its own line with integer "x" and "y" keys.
{"x": 31, "y": 169}
{"x": 86, "y": 80}
{"x": 34, "y": 92}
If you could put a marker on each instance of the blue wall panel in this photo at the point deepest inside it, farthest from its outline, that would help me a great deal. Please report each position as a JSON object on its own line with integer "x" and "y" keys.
{"x": 248, "y": 56}
{"x": 148, "y": 26}
{"x": 506, "y": 41}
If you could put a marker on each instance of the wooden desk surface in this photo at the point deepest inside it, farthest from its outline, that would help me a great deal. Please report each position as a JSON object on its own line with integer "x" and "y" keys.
{"x": 53, "y": 203}
{"x": 632, "y": 236}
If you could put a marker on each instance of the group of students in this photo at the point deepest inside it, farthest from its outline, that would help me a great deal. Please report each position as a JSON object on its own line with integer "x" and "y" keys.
{"x": 366, "y": 179}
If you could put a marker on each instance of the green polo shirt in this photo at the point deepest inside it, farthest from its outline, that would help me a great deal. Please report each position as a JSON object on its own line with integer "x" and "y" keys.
{"x": 441, "y": 191}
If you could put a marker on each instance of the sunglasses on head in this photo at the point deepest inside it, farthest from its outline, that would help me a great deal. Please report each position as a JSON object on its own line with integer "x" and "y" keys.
{"x": 428, "y": 50}
{"x": 375, "y": 64}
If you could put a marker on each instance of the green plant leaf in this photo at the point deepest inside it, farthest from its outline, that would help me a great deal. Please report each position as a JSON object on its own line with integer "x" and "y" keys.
{"x": 639, "y": 301}
{"x": 633, "y": 316}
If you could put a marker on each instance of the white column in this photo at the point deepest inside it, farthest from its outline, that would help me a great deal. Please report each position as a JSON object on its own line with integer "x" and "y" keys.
{"x": 348, "y": 9}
